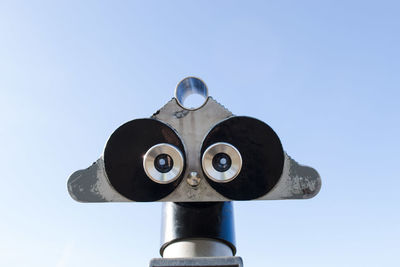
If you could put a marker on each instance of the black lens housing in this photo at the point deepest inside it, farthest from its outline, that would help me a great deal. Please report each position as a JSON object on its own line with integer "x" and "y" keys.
{"x": 123, "y": 159}
{"x": 261, "y": 152}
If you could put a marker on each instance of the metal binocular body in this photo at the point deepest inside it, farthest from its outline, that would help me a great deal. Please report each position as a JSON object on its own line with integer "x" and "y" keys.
{"x": 183, "y": 154}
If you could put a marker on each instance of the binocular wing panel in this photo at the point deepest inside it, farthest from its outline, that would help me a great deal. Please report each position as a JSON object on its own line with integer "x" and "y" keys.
{"x": 296, "y": 182}
{"x": 92, "y": 185}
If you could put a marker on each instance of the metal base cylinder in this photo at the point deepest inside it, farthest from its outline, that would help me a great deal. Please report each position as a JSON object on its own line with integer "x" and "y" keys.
{"x": 192, "y": 229}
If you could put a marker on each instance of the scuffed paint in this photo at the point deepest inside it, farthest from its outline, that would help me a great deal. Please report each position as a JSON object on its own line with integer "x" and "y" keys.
{"x": 91, "y": 185}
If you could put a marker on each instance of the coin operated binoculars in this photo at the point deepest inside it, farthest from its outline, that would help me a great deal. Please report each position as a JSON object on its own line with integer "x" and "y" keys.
{"x": 196, "y": 161}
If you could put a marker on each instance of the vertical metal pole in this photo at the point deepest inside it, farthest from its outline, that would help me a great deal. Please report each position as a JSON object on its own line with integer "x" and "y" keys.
{"x": 197, "y": 229}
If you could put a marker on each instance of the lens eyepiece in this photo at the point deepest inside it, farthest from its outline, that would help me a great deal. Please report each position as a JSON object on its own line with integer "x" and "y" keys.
{"x": 221, "y": 162}
{"x": 163, "y": 163}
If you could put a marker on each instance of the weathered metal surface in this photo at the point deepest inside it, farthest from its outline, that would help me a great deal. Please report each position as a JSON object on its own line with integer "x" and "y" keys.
{"x": 198, "y": 262}
{"x": 91, "y": 185}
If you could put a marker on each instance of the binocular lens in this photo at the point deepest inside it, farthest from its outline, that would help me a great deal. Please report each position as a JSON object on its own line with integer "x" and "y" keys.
{"x": 163, "y": 163}
{"x": 150, "y": 177}
{"x": 221, "y": 162}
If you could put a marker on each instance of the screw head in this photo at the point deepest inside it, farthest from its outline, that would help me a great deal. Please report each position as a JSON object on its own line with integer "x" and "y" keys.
{"x": 193, "y": 179}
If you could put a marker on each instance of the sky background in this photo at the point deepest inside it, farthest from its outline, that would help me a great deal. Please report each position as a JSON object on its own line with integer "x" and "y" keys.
{"x": 323, "y": 74}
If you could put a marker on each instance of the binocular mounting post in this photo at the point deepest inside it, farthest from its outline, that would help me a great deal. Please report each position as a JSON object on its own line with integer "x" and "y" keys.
{"x": 197, "y": 234}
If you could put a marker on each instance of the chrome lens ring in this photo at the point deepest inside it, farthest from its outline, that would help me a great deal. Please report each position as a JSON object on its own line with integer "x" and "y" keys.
{"x": 153, "y": 154}
{"x": 216, "y": 150}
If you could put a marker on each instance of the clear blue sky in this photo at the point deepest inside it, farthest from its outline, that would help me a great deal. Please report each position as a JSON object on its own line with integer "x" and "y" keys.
{"x": 323, "y": 74}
